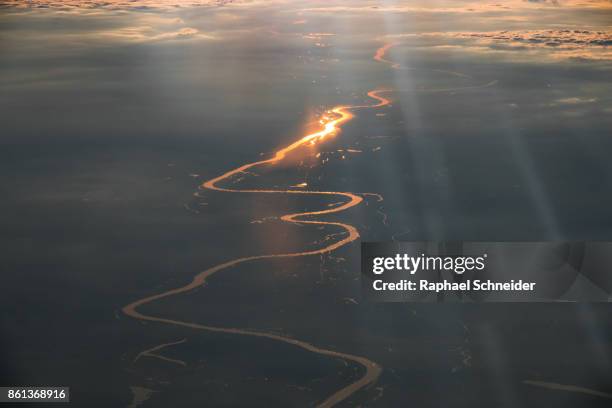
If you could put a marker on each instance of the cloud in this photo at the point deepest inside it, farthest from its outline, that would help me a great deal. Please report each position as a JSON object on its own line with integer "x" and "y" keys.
{"x": 574, "y": 101}
{"x": 110, "y": 4}
{"x": 103, "y": 28}
{"x": 573, "y": 106}
{"x": 552, "y": 2}
{"x": 571, "y": 44}
{"x": 458, "y": 6}
{"x": 547, "y": 38}
{"x": 576, "y": 44}
{"x": 148, "y": 34}
{"x": 444, "y": 6}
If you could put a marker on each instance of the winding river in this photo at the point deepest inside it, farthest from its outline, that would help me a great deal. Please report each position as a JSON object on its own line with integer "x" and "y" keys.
{"x": 331, "y": 123}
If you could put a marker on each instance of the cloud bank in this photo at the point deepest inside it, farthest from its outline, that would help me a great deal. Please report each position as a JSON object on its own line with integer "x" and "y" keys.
{"x": 565, "y": 43}
{"x": 110, "y": 4}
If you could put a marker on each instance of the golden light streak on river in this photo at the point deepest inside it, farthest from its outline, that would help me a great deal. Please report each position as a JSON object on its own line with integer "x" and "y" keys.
{"x": 331, "y": 127}
{"x": 381, "y": 54}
